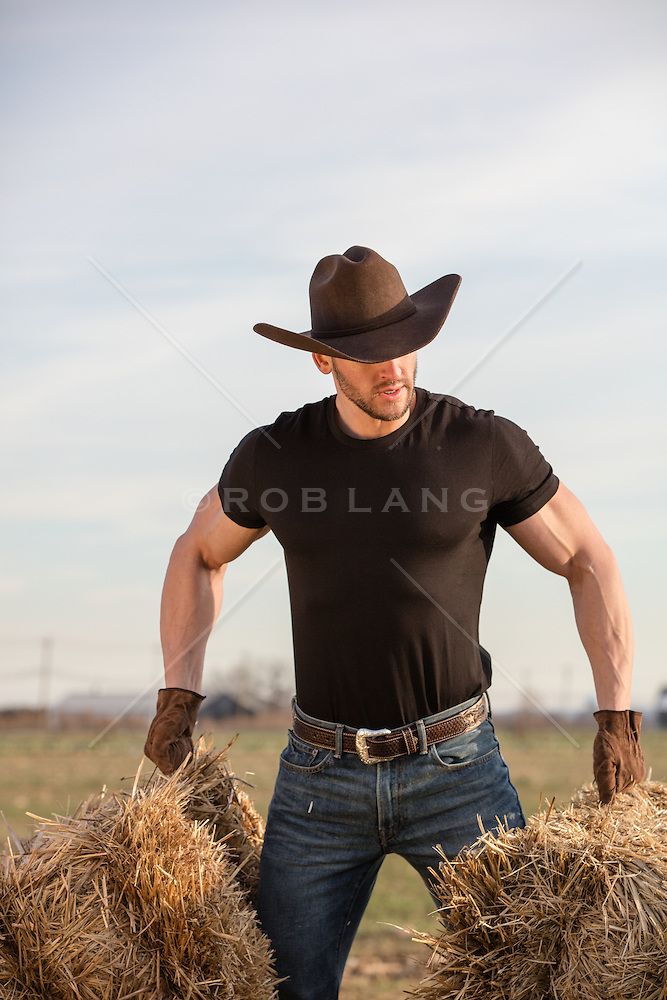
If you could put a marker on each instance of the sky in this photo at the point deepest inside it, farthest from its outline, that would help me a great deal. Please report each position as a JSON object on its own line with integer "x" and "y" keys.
{"x": 172, "y": 174}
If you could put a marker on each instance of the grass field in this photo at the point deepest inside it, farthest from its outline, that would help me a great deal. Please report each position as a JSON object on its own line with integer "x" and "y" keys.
{"x": 47, "y": 773}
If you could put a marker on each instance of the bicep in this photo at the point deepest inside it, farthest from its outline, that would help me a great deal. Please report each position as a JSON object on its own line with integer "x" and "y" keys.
{"x": 560, "y": 533}
{"x": 217, "y": 538}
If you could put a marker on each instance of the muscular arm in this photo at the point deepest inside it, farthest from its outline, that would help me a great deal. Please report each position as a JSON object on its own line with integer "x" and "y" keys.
{"x": 192, "y": 590}
{"x": 562, "y": 537}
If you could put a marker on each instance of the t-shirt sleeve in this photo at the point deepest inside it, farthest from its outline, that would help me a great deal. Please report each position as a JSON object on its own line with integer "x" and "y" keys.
{"x": 523, "y": 480}
{"x": 237, "y": 484}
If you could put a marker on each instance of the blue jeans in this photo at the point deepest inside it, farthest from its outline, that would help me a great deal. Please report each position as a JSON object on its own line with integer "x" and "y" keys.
{"x": 332, "y": 820}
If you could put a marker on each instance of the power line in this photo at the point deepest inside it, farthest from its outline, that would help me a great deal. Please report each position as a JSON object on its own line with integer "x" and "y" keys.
{"x": 85, "y": 641}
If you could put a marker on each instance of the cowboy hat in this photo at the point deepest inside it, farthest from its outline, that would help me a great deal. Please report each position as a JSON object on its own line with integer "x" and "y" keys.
{"x": 361, "y": 311}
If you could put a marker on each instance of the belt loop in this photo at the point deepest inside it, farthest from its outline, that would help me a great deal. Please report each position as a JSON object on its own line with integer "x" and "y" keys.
{"x": 338, "y": 752}
{"x": 421, "y": 729}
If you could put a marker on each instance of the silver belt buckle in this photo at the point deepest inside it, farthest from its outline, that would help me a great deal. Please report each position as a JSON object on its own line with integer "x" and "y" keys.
{"x": 360, "y": 738}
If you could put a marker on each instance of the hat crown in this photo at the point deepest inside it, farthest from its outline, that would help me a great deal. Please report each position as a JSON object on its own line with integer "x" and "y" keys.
{"x": 354, "y": 290}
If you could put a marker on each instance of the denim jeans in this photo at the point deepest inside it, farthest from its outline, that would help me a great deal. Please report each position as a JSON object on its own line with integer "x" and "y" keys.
{"x": 331, "y": 821}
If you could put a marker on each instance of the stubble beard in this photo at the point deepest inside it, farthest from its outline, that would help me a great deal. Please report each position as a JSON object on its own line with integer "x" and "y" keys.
{"x": 367, "y": 403}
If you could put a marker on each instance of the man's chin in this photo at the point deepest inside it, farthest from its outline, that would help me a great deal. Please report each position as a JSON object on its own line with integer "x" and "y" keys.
{"x": 390, "y": 409}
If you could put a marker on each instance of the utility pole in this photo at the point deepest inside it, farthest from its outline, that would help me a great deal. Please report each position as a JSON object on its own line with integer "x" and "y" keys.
{"x": 45, "y": 675}
{"x": 566, "y": 689}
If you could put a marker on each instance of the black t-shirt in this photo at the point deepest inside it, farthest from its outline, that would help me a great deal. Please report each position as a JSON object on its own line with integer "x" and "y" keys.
{"x": 386, "y": 545}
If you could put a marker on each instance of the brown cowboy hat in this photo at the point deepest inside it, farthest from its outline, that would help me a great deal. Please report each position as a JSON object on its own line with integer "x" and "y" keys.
{"x": 361, "y": 311}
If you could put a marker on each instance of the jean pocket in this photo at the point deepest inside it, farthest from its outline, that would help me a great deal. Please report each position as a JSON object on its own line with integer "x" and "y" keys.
{"x": 471, "y": 749}
{"x": 302, "y": 757}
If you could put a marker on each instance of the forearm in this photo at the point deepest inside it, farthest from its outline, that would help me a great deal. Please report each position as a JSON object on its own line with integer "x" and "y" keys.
{"x": 605, "y": 627}
{"x": 191, "y": 601}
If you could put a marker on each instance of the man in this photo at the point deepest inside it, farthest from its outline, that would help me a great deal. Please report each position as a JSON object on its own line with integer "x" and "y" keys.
{"x": 385, "y": 498}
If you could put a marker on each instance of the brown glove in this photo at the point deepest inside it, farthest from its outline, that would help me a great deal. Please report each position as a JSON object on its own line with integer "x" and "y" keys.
{"x": 618, "y": 760}
{"x": 169, "y": 739}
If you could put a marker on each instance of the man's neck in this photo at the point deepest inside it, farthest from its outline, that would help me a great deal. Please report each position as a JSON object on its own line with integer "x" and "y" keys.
{"x": 381, "y": 427}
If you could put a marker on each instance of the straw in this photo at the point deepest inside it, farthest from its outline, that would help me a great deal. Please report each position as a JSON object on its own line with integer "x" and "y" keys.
{"x": 133, "y": 896}
{"x": 214, "y": 797}
{"x": 572, "y": 906}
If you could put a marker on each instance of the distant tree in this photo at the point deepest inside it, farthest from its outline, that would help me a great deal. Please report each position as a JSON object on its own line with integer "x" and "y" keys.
{"x": 243, "y": 679}
{"x": 280, "y": 685}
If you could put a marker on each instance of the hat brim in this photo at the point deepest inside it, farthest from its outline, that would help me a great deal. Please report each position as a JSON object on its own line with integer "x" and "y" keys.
{"x": 433, "y": 303}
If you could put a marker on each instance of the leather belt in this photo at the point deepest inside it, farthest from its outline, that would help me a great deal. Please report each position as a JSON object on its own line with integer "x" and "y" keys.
{"x": 374, "y": 745}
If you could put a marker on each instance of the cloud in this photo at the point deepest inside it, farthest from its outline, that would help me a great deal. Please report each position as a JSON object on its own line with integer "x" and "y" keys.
{"x": 209, "y": 157}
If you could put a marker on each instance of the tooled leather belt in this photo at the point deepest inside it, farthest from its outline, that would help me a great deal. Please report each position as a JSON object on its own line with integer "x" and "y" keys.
{"x": 374, "y": 745}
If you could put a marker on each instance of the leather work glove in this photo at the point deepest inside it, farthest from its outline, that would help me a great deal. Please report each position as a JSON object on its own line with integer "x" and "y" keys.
{"x": 169, "y": 739}
{"x": 618, "y": 760}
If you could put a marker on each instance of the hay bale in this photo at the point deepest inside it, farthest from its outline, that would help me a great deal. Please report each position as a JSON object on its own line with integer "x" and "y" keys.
{"x": 10, "y": 984}
{"x": 572, "y": 907}
{"x": 131, "y": 897}
{"x": 215, "y": 798}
